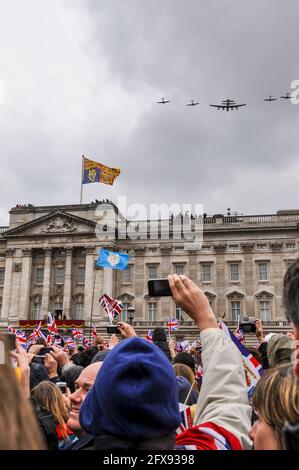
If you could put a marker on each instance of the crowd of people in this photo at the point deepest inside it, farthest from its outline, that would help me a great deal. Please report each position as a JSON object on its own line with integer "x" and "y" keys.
{"x": 133, "y": 393}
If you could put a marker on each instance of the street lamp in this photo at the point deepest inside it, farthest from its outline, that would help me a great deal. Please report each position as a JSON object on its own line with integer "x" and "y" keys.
{"x": 131, "y": 311}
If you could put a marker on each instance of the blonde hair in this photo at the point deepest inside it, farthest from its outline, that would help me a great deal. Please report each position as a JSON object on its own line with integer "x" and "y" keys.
{"x": 49, "y": 397}
{"x": 276, "y": 398}
{"x": 184, "y": 371}
{"x": 16, "y": 413}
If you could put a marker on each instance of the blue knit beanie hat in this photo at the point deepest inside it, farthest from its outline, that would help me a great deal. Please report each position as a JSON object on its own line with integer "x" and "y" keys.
{"x": 135, "y": 394}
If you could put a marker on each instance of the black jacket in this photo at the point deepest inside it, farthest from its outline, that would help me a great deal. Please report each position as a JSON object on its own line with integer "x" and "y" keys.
{"x": 47, "y": 426}
{"x": 291, "y": 436}
{"x": 85, "y": 442}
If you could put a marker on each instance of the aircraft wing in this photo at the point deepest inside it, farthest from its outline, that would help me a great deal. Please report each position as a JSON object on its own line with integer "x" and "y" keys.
{"x": 219, "y": 106}
{"x": 237, "y": 105}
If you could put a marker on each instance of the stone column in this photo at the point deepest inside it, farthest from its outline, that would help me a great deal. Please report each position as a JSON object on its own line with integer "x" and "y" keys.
{"x": 249, "y": 267}
{"x": 46, "y": 283}
{"x": 7, "y": 283}
{"x": 25, "y": 284}
{"x": 67, "y": 282}
{"x": 221, "y": 281}
{"x": 108, "y": 281}
{"x": 89, "y": 282}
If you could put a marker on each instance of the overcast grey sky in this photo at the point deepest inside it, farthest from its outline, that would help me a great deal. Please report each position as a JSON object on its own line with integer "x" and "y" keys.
{"x": 83, "y": 77}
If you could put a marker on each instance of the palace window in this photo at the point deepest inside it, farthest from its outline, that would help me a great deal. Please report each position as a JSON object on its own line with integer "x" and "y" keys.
{"x": 39, "y": 278}
{"x": 234, "y": 272}
{"x": 262, "y": 246}
{"x": 81, "y": 274}
{"x": 235, "y": 310}
{"x": 79, "y": 309}
{"x": 36, "y": 311}
{"x": 206, "y": 272}
{"x": 265, "y": 310}
{"x": 124, "y": 313}
{"x": 59, "y": 275}
{"x": 179, "y": 269}
{"x": 2, "y": 275}
{"x": 233, "y": 247}
{"x": 127, "y": 275}
{"x": 152, "y": 272}
{"x": 152, "y": 311}
{"x": 263, "y": 271}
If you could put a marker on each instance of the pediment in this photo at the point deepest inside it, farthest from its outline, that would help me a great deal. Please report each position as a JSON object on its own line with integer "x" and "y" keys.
{"x": 55, "y": 223}
{"x": 235, "y": 294}
{"x": 125, "y": 297}
{"x": 211, "y": 295}
{"x": 263, "y": 294}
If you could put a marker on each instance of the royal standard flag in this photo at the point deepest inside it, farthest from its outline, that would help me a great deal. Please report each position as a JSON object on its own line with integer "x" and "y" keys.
{"x": 113, "y": 259}
{"x": 94, "y": 172}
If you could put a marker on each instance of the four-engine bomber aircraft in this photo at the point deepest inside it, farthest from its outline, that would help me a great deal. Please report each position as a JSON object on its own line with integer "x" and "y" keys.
{"x": 270, "y": 98}
{"x": 163, "y": 101}
{"x": 228, "y": 105}
{"x": 287, "y": 96}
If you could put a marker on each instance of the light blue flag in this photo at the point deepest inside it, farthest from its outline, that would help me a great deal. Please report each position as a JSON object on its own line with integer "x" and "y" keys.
{"x": 113, "y": 259}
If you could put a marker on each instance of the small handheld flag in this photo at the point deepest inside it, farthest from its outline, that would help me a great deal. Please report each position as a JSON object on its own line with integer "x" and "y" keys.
{"x": 173, "y": 324}
{"x": 113, "y": 259}
{"x": 77, "y": 334}
{"x": 112, "y": 307}
{"x": 239, "y": 334}
{"x": 52, "y": 328}
{"x": 94, "y": 331}
{"x": 149, "y": 335}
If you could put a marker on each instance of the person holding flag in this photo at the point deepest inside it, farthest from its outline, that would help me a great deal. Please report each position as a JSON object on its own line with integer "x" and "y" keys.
{"x": 112, "y": 307}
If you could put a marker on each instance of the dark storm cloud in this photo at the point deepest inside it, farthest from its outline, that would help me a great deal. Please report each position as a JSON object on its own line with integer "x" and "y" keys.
{"x": 92, "y": 88}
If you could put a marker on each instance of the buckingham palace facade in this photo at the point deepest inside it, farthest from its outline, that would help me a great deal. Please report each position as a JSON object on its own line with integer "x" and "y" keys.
{"x": 48, "y": 263}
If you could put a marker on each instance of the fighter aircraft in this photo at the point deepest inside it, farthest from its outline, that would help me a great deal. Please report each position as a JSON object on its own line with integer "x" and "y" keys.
{"x": 163, "y": 101}
{"x": 192, "y": 103}
{"x": 287, "y": 96}
{"x": 270, "y": 98}
{"x": 228, "y": 104}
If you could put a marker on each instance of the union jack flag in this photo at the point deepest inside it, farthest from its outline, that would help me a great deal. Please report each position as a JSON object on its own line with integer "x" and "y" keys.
{"x": 77, "y": 334}
{"x": 239, "y": 334}
{"x": 199, "y": 374}
{"x": 94, "y": 331}
{"x": 69, "y": 342}
{"x": 86, "y": 343}
{"x": 173, "y": 324}
{"x": 11, "y": 329}
{"x": 186, "y": 420}
{"x": 52, "y": 328}
{"x": 22, "y": 338}
{"x": 149, "y": 335}
{"x": 36, "y": 333}
{"x": 112, "y": 307}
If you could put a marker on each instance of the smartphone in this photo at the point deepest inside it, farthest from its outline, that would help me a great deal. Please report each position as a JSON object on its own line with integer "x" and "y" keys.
{"x": 113, "y": 330}
{"x": 248, "y": 327}
{"x": 159, "y": 288}
{"x": 62, "y": 386}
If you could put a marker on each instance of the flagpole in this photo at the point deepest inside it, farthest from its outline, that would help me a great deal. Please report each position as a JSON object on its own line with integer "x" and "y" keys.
{"x": 82, "y": 175}
{"x": 92, "y": 302}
